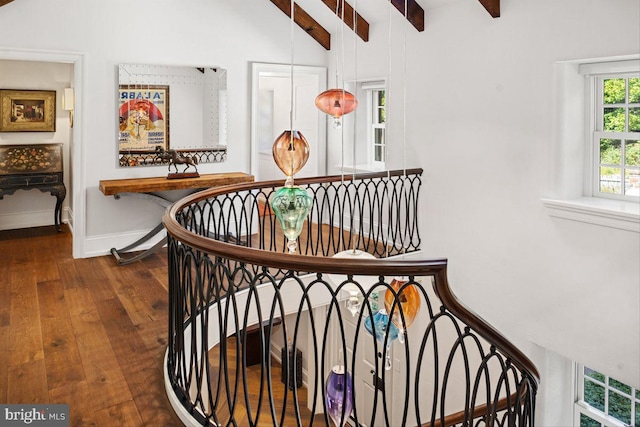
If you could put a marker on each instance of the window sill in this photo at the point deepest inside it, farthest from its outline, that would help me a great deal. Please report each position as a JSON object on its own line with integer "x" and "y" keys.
{"x": 592, "y": 210}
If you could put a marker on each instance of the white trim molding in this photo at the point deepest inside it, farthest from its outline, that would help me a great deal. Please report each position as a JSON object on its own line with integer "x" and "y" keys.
{"x": 592, "y": 210}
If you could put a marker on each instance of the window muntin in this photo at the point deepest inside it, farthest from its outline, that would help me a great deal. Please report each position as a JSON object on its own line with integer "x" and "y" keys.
{"x": 604, "y": 401}
{"x": 616, "y": 136}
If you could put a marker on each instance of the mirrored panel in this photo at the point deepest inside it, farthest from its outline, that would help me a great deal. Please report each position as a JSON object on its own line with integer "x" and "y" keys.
{"x": 163, "y": 107}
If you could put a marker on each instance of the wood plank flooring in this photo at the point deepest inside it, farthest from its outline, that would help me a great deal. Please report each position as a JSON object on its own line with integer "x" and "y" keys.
{"x": 260, "y": 409}
{"x": 90, "y": 334}
{"x": 82, "y": 331}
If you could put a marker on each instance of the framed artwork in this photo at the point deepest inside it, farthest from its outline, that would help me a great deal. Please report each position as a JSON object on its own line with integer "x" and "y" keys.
{"x": 27, "y": 110}
{"x": 143, "y": 119}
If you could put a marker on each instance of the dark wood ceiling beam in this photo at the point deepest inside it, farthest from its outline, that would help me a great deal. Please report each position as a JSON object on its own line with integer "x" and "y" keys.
{"x": 3, "y": 2}
{"x": 362, "y": 26}
{"x": 304, "y": 21}
{"x": 492, "y": 6}
{"x": 415, "y": 13}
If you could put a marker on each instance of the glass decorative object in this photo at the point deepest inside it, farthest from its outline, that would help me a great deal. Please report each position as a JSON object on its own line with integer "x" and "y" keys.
{"x": 291, "y": 152}
{"x": 336, "y": 103}
{"x": 291, "y": 206}
{"x": 354, "y": 300}
{"x": 382, "y": 323}
{"x": 407, "y": 304}
{"x": 339, "y": 395}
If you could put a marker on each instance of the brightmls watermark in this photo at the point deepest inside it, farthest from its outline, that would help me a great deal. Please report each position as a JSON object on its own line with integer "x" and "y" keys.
{"x": 34, "y": 415}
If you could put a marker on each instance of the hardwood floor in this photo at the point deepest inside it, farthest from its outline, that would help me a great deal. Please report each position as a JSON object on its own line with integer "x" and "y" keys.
{"x": 84, "y": 332}
{"x": 283, "y": 398}
{"x": 91, "y": 334}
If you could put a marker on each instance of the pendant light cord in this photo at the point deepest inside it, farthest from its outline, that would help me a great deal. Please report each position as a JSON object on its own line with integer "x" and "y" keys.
{"x": 404, "y": 93}
{"x": 355, "y": 116}
{"x": 341, "y": 3}
{"x": 291, "y": 88}
{"x": 355, "y": 79}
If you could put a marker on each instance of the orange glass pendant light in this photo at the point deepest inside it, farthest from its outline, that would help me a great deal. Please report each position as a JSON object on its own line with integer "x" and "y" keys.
{"x": 290, "y": 152}
{"x": 407, "y": 304}
{"x": 336, "y": 103}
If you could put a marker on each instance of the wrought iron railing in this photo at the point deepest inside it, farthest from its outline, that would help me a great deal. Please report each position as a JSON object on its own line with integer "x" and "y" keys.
{"x": 236, "y": 298}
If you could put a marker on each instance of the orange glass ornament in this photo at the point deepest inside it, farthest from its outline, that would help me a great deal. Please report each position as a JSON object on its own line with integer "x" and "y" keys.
{"x": 336, "y": 103}
{"x": 408, "y": 300}
{"x": 291, "y": 152}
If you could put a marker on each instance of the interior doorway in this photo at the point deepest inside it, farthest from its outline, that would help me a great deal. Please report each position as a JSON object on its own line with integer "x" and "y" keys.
{"x": 271, "y": 103}
{"x": 75, "y": 191}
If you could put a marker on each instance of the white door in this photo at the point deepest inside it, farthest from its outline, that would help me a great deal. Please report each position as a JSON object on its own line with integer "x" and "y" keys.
{"x": 365, "y": 367}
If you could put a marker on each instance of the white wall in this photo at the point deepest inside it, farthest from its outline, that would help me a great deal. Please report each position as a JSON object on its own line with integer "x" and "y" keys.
{"x": 480, "y": 120}
{"x": 196, "y": 32}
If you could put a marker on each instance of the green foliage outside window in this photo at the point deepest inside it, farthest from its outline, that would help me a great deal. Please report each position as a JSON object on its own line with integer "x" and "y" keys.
{"x": 634, "y": 90}
{"x": 601, "y": 393}
{"x": 588, "y": 422}
{"x": 594, "y": 394}
{"x": 615, "y": 91}
{"x": 614, "y": 120}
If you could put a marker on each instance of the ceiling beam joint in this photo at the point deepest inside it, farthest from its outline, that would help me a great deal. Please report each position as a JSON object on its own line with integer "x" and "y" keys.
{"x": 304, "y": 21}
{"x": 414, "y": 14}
{"x": 492, "y": 6}
{"x": 346, "y": 14}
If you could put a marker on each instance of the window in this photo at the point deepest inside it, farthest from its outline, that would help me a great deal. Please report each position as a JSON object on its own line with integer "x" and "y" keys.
{"x": 377, "y": 119}
{"x": 604, "y": 401}
{"x": 595, "y": 165}
{"x": 616, "y": 138}
{"x": 366, "y": 127}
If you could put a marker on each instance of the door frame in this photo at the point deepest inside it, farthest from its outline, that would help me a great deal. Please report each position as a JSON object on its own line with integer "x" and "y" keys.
{"x": 76, "y": 141}
{"x": 259, "y": 69}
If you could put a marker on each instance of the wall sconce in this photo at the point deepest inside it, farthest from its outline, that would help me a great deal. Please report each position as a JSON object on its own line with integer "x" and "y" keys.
{"x": 68, "y": 103}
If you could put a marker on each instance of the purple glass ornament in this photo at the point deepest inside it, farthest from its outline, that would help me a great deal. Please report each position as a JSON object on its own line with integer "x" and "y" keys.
{"x": 339, "y": 395}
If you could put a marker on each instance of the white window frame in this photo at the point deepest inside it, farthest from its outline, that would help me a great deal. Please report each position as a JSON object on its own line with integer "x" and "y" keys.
{"x": 596, "y": 110}
{"x": 373, "y": 125}
{"x": 582, "y": 407}
{"x": 362, "y": 119}
{"x": 571, "y": 195}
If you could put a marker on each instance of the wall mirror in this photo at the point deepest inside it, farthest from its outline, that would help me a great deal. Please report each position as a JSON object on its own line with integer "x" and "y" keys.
{"x": 163, "y": 107}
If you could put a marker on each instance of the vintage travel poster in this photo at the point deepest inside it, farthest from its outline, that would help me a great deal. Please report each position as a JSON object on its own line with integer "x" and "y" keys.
{"x": 143, "y": 118}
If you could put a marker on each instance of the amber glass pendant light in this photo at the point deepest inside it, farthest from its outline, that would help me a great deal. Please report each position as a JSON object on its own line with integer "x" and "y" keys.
{"x": 290, "y": 150}
{"x": 402, "y": 301}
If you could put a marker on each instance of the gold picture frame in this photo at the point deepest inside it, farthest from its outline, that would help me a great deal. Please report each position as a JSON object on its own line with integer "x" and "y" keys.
{"x": 27, "y": 110}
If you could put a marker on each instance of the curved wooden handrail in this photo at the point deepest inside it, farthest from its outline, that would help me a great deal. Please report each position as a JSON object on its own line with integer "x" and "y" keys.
{"x": 482, "y": 327}
{"x": 424, "y": 267}
{"x": 478, "y": 412}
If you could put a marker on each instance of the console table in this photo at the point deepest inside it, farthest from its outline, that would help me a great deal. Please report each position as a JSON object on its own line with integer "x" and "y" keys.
{"x": 146, "y": 188}
{"x": 39, "y": 166}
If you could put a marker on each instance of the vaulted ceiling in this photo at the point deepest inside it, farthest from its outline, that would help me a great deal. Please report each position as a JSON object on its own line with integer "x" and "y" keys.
{"x": 353, "y": 19}
{"x": 307, "y": 14}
